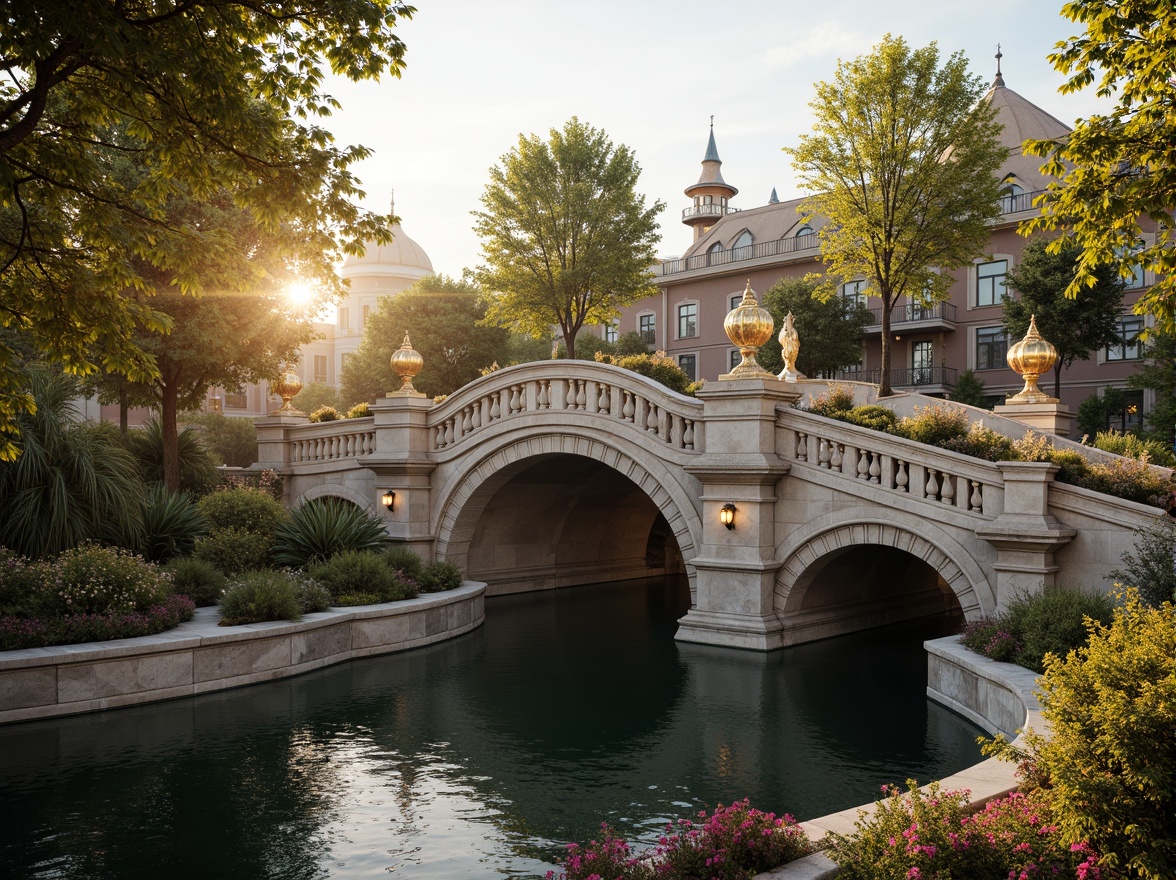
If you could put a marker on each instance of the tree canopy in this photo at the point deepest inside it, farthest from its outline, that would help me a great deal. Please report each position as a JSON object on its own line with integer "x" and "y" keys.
{"x": 903, "y": 161}
{"x": 566, "y": 238}
{"x": 444, "y": 319}
{"x": 830, "y": 330}
{"x": 1158, "y": 374}
{"x": 1118, "y": 169}
{"x": 1075, "y": 326}
{"x": 108, "y": 111}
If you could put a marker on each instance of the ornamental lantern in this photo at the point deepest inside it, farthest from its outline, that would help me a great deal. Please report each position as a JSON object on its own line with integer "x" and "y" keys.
{"x": 1031, "y": 357}
{"x": 749, "y": 326}
{"x": 407, "y": 362}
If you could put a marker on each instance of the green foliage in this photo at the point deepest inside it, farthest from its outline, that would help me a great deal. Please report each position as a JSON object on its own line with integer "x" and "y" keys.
{"x": 566, "y": 238}
{"x": 197, "y": 465}
{"x": 75, "y": 482}
{"x": 359, "y": 411}
{"x": 1111, "y": 756}
{"x": 316, "y": 395}
{"x": 171, "y": 525}
{"x": 1095, "y": 412}
{"x": 878, "y": 418}
{"x": 198, "y": 579}
{"x": 234, "y": 551}
{"x": 1116, "y": 168}
{"x": 934, "y": 836}
{"x": 629, "y": 343}
{"x": 445, "y": 320}
{"x": 318, "y": 529}
{"x": 211, "y": 95}
{"x": 231, "y": 441}
{"x": 1124, "y": 478}
{"x": 247, "y": 509}
{"x": 1075, "y": 325}
{"x": 404, "y": 561}
{"x": 92, "y": 579}
{"x": 1150, "y": 566}
{"x": 38, "y": 632}
{"x": 657, "y": 366}
{"x": 355, "y": 577}
{"x": 1158, "y": 375}
{"x": 20, "y": 584}
{"x": 833, "y": 403}
{"x": 830, "y": 329}
{"x": 439, "y": 576}
{"x": 983, "y": 442}
{"x": 1133, "y": 446}
{"x": 325, "y": 414}
{"x": 257, "y": 596}
{"x": 935, "y": 424}
{"x": 312, "y": 596}
{"x": 898, "y": 212}
{"x": 969, "y": 390}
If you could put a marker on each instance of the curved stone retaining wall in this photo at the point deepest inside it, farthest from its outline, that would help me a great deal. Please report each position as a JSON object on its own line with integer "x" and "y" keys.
{"x": 200, "y": 656}
{"x": 995, "y": 696}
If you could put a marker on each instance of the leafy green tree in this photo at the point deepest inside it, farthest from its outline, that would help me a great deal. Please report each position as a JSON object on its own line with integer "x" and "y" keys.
{"x": 1096, "y": 412}
{"x": 445, "y": 320}
{"x": 231, "y": 440}
{"x": 970, "y": 390}
{"x": 1116, "y": 169}
{"x": 317, "y": 394}
{"x": 903, "y": 160}
{"x": 207, "y": 95}
{"x": 830, "y": 330}
{"x": 566, "y": 237}
{"x": 1158, "y": 374}
{"x": 1076, "y": 326}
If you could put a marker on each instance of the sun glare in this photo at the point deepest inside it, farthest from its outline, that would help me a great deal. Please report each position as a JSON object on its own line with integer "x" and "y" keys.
{"x": 300, "y": 293}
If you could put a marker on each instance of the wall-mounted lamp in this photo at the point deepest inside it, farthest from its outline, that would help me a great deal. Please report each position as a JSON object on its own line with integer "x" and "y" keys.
{"x": 727, "y": 515}
{"x": 388, "y": 499}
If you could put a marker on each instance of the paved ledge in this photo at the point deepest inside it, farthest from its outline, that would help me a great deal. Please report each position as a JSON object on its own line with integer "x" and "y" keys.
{"x": 199, "y": 656}
{"x": 996, "y": 696}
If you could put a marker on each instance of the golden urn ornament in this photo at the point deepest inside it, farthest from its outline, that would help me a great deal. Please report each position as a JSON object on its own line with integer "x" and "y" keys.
{"x": 789, "y": 349}
{"x": 1031, "y": 357}
{"x": 287, "y": 387}
{"x": 407, "y": 362}
{"x": 749, "y": 326}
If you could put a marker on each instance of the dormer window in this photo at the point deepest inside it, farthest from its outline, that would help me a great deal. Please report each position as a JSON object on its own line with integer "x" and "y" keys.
{"x": 745, "y": 239}
{"x": 716, "y": 248}
{"x": 1009, "y": 191}
{"x": 804, "y": 230}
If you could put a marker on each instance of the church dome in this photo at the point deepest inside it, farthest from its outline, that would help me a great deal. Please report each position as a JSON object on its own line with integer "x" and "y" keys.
{"x": 401, "y": 251}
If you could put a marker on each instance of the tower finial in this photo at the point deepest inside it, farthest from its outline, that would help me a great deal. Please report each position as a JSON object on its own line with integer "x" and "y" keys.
{"x": 999, "y": 81}
{"x": 712, "y": 120}
{"x": 392, "y": 202}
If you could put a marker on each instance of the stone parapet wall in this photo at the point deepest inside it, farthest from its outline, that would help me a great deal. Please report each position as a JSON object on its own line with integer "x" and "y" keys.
{"x": 199, "y": 656}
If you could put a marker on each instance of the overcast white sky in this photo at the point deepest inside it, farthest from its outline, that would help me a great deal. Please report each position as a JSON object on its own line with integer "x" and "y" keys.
{"x": 650, "y": 73}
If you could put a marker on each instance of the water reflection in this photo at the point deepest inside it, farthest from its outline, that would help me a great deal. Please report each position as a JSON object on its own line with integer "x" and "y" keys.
{"x": 477, "y": 756}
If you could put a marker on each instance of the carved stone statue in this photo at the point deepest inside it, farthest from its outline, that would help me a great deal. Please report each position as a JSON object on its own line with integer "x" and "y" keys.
{"x": 789, "y": 349}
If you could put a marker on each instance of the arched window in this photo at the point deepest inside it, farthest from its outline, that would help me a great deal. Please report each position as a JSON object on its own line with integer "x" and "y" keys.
{"x": 714, "y": 253}
{"x": 804, "y": 230}
{"x": 1009, "y": 190}
{"x": 745, "y": 239}
{"x": 716, "y": 248}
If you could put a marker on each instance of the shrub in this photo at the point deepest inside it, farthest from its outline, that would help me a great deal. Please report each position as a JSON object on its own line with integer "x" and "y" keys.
{"x": 970, "y": 390}
{"x": 935, "y": 424}
{"x": 1133, "y": 446}
{"x": 656, "y": 366}
{"x": 990, "y": 637}
{"x": 1127, "y": 478}
{"x": 198, "y": 579}
{"x": 171, "y": 525}
{"x": 1149, "y": 567}
{"x": 325, "y": 414}
{"x": 878, "y": 418}
{"x": 1111, "y": 756}
{"x": 318, "y": 529}
{"x": 838, "y": 399}
{"x": 92, "y": 579}
{"x": 353, "y": 575}
{"x": 361, "y": 410}
{"x": 258, "y": 596}
{"x": 265, "y": 480}
{"x": 197, "y": 463}
{"x": 312, "y": 596}
{"x": 404, "y": 561}
{"x": 22, "y": 632}
{"x": 231, "y": 441}
{"x": 439, "y": 576}
{"x": 983, "y": 442}
{"x": 611, "y": 857}
{"x": 249, "y": 510}
{"x": 20, "y": 583}
{"x": 234, "y": 551}
{"x": 315, "y": 395}
{"x": 1052, "y": 622}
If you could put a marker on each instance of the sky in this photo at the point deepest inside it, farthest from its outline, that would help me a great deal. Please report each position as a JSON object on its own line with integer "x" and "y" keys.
{"x": 650, "y": 73}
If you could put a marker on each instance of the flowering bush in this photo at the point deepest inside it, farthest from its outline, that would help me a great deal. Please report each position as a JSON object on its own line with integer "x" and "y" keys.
{"x": 325, "y": 414}
{"x": 39, "y": 632}
{"x": 935, "y": 424}
{"x": 258, "y": 596}
{"x": 989, "y": 637}
{"x": 439, "y": 576}
{"x": 360, "y": 411}
{"x": 92, "y": 579}
{"x": 266, "y": 480}
{"x": 611, "y": 857}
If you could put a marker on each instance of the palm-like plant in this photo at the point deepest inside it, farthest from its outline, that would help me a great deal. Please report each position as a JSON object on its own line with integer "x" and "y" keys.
{"x": 72, "y": 482}
{"x": 171, "y": 524}
{"x": 321, "y": 528}
{"x": 197, "y": 463}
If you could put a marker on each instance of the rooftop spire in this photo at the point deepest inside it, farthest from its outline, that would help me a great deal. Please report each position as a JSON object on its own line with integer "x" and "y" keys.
{"x": 773, "y": 199}
{"x": 999, "y": 81}
{"x": 712, "y": 152}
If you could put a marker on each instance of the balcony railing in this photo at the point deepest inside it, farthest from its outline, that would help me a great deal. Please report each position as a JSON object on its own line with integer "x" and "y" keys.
{"x": 775, "y": 247}
{"x": 910, "y": 313}
{"x": 906, "y": 377}
{"x": 708, "y": 211}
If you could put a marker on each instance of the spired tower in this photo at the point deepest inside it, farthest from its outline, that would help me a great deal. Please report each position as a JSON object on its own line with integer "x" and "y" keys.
{"x": 711, "y": 194}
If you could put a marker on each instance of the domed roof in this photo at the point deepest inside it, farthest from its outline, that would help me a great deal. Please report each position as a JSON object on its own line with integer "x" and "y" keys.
{"x": 401, "y": 251}
{"x": 1022, "y": 120}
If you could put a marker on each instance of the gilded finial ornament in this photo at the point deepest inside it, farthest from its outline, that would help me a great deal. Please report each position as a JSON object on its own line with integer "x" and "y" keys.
{"x": 749, "y": 326}
{"x": 789, "y": 349}
{"x": 1031, "y": 357}
{"x": 407, "y": 362}
{"x": 287, "y": 387}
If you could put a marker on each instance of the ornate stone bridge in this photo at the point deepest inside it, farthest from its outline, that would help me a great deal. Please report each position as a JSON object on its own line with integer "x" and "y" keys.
{"x": 568, "y": 472}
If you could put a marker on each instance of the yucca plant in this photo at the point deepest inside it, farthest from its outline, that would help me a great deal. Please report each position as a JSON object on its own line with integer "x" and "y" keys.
{"x": 72, "y": 482}
{"x": 171, "y": 524}
{"x": 319, "y": 529}
{"x": 198, "y": 472}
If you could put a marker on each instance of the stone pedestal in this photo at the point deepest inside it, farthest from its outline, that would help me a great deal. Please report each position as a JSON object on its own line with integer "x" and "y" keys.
{"x": 1025, "y": 535}
{"x": 736, "y": 567}
{"x": 273, "y": 451}
{"x": 401, "y": 464}
{"x": 1045, "y": 418}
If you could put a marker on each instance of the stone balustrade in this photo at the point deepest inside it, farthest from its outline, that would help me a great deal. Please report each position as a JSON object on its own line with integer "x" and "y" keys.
{"x": 331, "y": 441}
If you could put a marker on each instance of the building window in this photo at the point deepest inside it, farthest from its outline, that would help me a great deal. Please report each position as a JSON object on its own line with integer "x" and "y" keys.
{"x": 1134, "y": 281}
{"x": 688, "y": 363}
{"x": 687, "y": 320}
{"x": 320, "y": 368}
{"x": 647, "y": 327}
{"x": 1127, "y": 348}
{"x": 804, "y": 230}
{"x": 236, "y": 400}
{"x": 1008, "y": 196}
{"x": 990, "y": 282}
{"x": 736, "y": 299}
{"x": 992, "y": 344}
{"x": 744, "y": 240}
{"x": 366, "y": 310}
{"x": 922, "y": 366}
{"x": 735, "y": 359}
{"x": 855, "y": 291}
{"x": 611, "y": 332}
{"x": 344, "y": 319}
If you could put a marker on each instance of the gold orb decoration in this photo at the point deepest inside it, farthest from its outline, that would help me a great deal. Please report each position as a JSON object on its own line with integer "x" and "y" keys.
{"x": 789, "y": 349}
{"x": 287, "y": 387}
{"x": 1031, "y": 357}
{"x": 407, "y": 362}
{"x": 749, "y": 326}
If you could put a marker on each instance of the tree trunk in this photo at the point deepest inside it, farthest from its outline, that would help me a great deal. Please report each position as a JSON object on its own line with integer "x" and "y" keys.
{"x": 570, "y": 344}
{"x": 171, "y": 438}
{"x": 1058, "y": 380}
{"x": 123, "y": 406}
{"x": 884, "y": 380}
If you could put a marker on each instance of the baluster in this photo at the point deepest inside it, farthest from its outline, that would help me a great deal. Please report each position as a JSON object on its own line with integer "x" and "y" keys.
{"x": 875, "y": 467}
{"x": 863, "y": 465}
{"x": 604, "y": 403}
{"x": 931, "y": 490}
{"x": 466, "y": 427}
{"x": 514, "y": 399}
{"x": 495, "y": 411}
{"x": 900, "y": 479}
{"x": 476, "y": 415}
{"x": 688, "y": 435}
{"x": 801, "y": 446}
{"x": 823, "y": 453}
{"x": 947, "y": 496}
{"x": 630, "y": 407}
{"x": 651, "y": 417}
{"x": 976, "y": 502}
{"x": 448, "y": 431}
{"x": 580, "y": 394}
{"x": 836, "y": 459}
{"x": 439, "y": 440}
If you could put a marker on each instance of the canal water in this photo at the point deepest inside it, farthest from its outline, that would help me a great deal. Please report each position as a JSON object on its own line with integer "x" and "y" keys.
{"x": 477, "y": 757}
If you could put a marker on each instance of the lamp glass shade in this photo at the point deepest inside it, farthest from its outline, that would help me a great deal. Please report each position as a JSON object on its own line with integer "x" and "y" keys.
{"x": 388, "y": 499}
{"x": 727, "y": 515}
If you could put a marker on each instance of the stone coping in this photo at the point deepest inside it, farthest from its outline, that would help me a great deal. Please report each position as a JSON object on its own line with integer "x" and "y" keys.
{"x": 998, "y": 697}
{"x": 200, "y": 656}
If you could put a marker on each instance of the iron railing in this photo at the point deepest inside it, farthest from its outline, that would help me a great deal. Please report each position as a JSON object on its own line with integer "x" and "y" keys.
{"x": 905, "y": 377}
{"x": 708, "y": 211}
{"x": 909, "y": 313}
